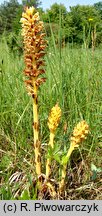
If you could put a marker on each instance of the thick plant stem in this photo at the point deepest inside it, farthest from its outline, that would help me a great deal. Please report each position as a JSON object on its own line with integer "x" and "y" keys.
{"x": 51, "y": 142}
{"x": 36, "y": 131}
{"x": 51, "y": 188}
{"x": 48, "y": 163}
{"x": 62, "y": 182}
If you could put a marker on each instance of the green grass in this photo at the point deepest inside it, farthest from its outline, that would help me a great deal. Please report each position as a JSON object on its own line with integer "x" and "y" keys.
{"x": 74, "y": 80}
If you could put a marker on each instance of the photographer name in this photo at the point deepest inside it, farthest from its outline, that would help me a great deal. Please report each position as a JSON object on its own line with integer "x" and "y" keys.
{"x": 70, "y": 208}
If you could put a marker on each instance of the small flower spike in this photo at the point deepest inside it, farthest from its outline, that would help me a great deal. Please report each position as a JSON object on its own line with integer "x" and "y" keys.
{"x": 80, "y": 133}
{"x": 53, "y": 122}
{"x": 54, "y": 118}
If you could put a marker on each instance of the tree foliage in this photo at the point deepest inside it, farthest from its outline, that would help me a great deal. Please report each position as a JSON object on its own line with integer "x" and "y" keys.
{"x": 75, "y": 25}
{"x": 34, "y": 3}
{"x": 98, "y": 6}
{"x": 53, "y": 14}
{"x": 8, "y": 12}
{"x": 83, "y": 18}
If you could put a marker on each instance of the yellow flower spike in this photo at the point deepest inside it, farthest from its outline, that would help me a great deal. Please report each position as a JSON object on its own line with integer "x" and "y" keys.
{"x": 53, "y": 122}
{"x": 54, "y": 118}
{"x": 34, "y": 46}
{"x": 80, "y": 133}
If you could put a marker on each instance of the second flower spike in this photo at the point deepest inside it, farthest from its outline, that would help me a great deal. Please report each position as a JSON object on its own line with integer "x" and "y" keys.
{"x": 54, "y": 118}
{"x": 53, "y": 122}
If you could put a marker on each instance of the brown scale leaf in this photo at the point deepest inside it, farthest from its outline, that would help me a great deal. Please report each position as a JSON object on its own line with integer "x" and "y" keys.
{"x": 40, "y": 81}
{"x": 39, "y": 55}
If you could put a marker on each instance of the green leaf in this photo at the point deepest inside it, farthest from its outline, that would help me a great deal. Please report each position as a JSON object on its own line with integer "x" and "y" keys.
{"x": 64, "y": 160}
{"x": 5, "y": 162}
{"x": 57, "y": 158}
{"x": 56, "y": 148}
{"x": 49, "y": 152}
{"x": 94, "y": 168}
{"x": 99, "y": 169}
{"x": 53, "y": 151}
{"x": 94, "y": 176}
{"x": 25, "y": 195}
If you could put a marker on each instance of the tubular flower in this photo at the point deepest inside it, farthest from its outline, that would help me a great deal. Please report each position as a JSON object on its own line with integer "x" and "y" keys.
{"x": 79, "y": 133}
{"x": 54, "y": 118}
{"x": 34, "y": 46}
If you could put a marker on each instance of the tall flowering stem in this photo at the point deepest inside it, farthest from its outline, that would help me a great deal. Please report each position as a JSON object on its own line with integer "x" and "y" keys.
{"x": 34, "y": 50}
{"x": 53, "y": 122}
{"x": 80, "y": 133}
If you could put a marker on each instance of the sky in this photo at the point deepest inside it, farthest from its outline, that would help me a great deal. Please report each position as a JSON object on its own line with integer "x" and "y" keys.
{"x": 47, "y": 3}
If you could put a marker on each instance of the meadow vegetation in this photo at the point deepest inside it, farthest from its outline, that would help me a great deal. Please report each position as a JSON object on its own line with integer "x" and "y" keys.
{"x": 73, "y": 79}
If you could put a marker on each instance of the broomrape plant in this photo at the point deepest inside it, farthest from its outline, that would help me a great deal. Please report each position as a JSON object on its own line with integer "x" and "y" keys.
{"x": 34, "y": 50}
{"x": 34, "y": 46}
